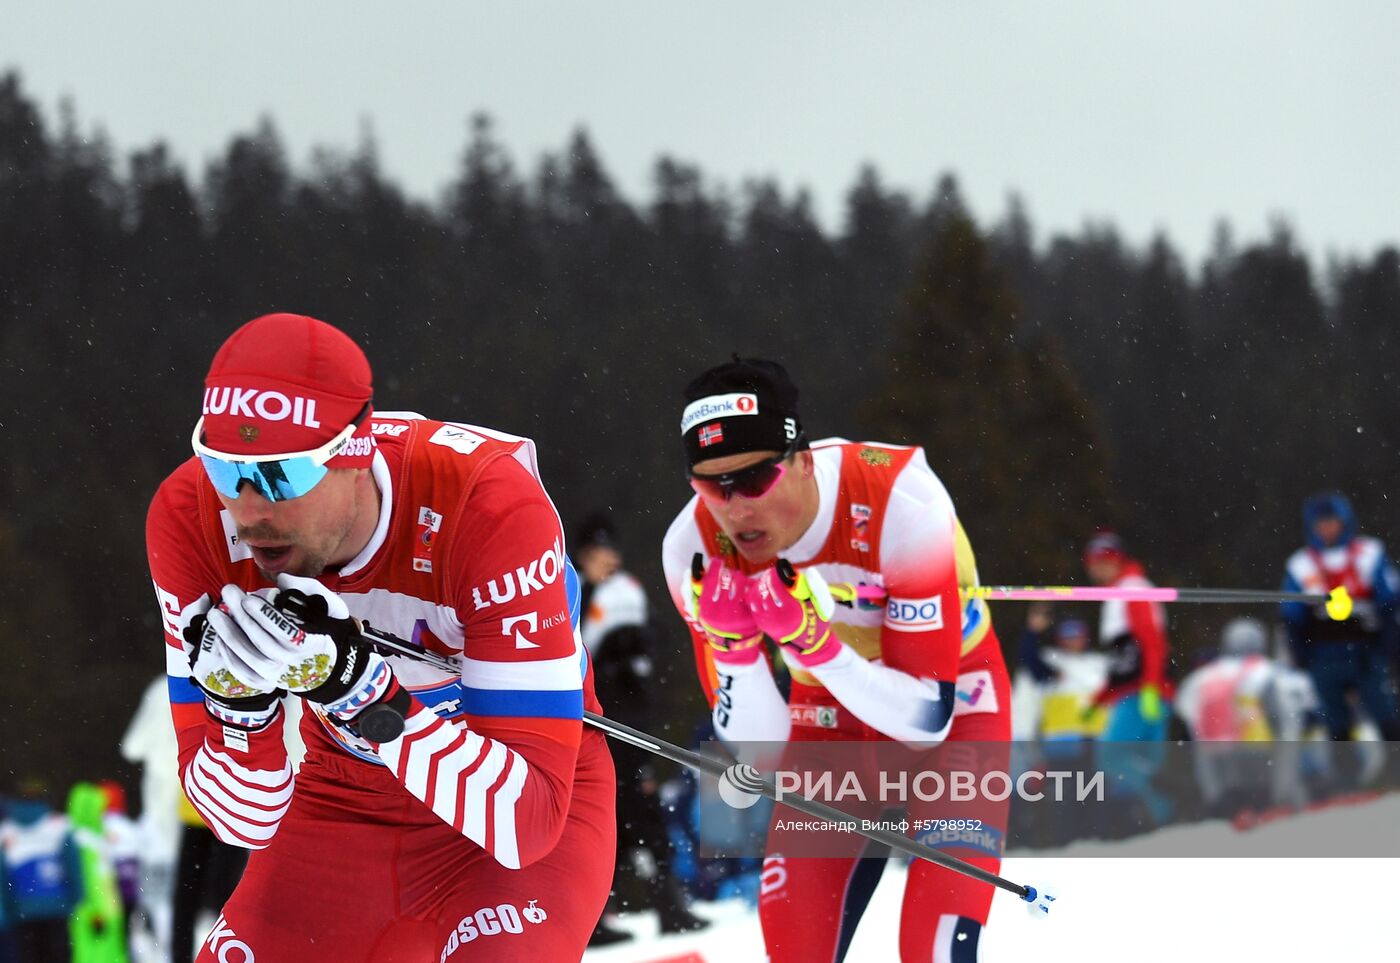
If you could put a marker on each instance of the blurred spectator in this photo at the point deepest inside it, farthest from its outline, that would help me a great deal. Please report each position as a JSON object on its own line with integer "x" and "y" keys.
{"x": 611, "y": 598}
{"x": 123, "y": 842}
{"x": 1135, "y": 635}
{"x": 1136, "y": 692}
{"x": 1352, "y": 655}
{"x": 616, "y": 631}
{"x": 41, "y": 874}
{"x": 1054, "y": 717}
{"x": 1233, "y": 703}
{"x": 1065, "y": 677}
{"x": 700, "y": 824}
{"x": 96, "y": 923}
{"x": 7, "y": 943}
{"x": 1224, "y": 699}
{"x": 150, "y": 743}
{"x": 205, "y": 877}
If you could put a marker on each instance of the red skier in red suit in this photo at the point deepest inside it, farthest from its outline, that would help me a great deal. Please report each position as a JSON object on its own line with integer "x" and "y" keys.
{"x": 922, "y": 668}
{"x": 485, "y": 829}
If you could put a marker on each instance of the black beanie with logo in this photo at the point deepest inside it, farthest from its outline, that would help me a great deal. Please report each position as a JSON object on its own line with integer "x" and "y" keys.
{"x": 748, "y": 404}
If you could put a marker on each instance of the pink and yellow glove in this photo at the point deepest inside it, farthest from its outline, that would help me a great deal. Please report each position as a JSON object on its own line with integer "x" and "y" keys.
{"x": 717, "y": 605}
{"x": 794, "y": 610}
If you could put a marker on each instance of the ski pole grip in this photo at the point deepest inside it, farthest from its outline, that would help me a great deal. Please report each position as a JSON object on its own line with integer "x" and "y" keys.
{"x": 381, "y": 722}
{"x": 787, "y": 573}
{"x": 303, "y": 607}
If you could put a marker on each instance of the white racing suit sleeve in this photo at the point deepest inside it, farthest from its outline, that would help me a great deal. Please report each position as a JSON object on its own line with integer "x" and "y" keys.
{"x": 912, "y": 710}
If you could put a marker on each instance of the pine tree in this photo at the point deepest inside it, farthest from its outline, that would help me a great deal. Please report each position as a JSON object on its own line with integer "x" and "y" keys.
{"x": 1001, "y": 419}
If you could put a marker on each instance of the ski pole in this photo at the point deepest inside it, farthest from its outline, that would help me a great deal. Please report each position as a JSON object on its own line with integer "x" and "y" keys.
{"x": 1337, "y": 602}
{"x": 749, "y": 780}
{"x": 743, "y": 777}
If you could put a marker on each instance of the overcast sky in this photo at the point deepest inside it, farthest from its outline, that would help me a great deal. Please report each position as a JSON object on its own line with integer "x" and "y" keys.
{"x": 1165, "y": 115}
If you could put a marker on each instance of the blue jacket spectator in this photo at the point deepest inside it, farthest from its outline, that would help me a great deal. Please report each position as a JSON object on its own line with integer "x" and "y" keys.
{"x": 1352, "y": 655}
{"x": 41, "y": 876}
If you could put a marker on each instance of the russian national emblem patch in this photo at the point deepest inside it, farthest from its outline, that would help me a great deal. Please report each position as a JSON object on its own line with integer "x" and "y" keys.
{"x": 725, "y": 545}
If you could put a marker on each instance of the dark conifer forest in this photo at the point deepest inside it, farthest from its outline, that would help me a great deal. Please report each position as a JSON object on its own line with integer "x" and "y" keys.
{"x": 1059, "y": 383}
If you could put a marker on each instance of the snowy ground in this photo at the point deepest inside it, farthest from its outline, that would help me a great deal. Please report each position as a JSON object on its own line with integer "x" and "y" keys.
{"x": 1115, "y": 908}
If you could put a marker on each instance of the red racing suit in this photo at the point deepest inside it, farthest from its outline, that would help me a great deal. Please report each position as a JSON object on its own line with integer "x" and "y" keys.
{"x": 486, "y": 830}
{"x": 922, "y": 669}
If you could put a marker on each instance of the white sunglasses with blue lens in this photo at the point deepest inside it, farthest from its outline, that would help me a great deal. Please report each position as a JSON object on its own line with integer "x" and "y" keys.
{"x": 277, "y": 478}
